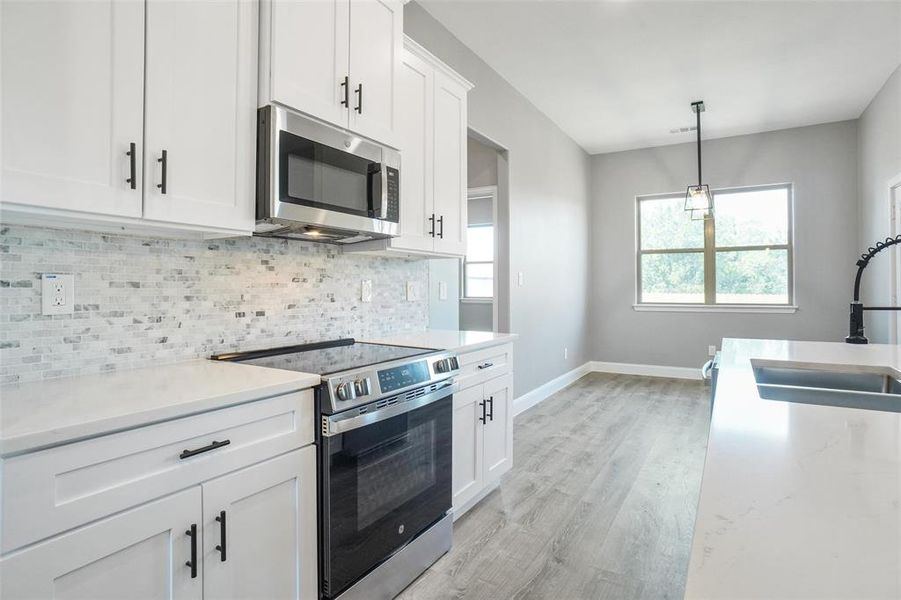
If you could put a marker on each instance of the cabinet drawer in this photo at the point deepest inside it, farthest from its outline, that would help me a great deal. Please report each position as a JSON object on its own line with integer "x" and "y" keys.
{"x": 57, "y": 489}
{"x": 481, "y": 365}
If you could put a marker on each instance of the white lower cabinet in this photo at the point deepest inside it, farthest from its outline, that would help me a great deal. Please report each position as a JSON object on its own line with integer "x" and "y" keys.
{"x": 483, "y": 436}
{"x": 140, "y": 554}
{"x": 259, "y": 529}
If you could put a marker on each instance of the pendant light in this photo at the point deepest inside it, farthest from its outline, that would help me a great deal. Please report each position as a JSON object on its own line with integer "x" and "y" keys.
{"x": 698, "y": 200}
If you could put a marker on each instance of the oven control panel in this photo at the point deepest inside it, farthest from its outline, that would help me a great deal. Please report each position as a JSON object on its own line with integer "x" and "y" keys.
{"x": 353, "y": 388}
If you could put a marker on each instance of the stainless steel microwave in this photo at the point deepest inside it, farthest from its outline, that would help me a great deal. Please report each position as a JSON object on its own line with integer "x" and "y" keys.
{"x": 320, "y": 183}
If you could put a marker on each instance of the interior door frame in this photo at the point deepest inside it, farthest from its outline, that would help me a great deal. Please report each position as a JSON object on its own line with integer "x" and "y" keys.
{"x": 488, "y": 192}
{"x": 894, "y": 208}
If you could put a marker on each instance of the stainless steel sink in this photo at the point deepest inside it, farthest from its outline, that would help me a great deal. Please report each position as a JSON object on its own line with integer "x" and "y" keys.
{"x": 829, "y": 386}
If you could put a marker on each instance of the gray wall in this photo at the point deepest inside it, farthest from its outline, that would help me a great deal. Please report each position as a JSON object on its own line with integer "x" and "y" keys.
{"x": 879, "y": 159}
{"x": 476, "y": 316}
{"x": 481, "y": 164}
{"x": 548, "y": 206}
{"x": 444, "y": 314}
{"x": 821, "y": 162}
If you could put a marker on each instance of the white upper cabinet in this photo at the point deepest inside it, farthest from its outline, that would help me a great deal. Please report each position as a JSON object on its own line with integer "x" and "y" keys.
{"x": 336, "y": 60}
{"x": 450, "y": 165}
{"x": 417, "y": 86}
{"x": 304, "y": 56}
{"x": 72, "y": 105}
{"x": 432, "y": 130}
{"x": 376, "y": 41}
{"x": 201, "y": 112}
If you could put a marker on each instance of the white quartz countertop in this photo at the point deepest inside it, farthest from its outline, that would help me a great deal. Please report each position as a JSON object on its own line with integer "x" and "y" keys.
{"x": 798, "y": 500}
{"x": 447, "y": 339}
{"x": 48, "y": 413}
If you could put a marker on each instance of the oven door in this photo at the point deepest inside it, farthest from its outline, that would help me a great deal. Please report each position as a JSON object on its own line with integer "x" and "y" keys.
{"x": 383, "y": 483}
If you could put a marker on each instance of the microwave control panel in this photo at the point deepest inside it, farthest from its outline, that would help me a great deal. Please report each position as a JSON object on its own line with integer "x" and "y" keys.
{"x": 393, "y": 194}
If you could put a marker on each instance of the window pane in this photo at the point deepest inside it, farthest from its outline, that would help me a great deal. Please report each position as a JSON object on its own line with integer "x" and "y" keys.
{"x": 480, "y": 243}
{"x": 752, "y": 277}
{"x": 666, "y": 225}
{"x": 751, "y": 217}
{"x": 672, "y": 277}
{"x": 479, "y": 280}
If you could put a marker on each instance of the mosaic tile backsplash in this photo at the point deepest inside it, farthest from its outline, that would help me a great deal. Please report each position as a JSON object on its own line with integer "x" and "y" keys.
{"x": 140, "y": 301}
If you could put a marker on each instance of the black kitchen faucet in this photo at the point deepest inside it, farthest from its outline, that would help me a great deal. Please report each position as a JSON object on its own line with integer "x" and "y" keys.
{"x": 855, "y": 334}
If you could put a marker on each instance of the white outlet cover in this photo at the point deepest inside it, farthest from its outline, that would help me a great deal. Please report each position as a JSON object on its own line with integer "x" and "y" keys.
{"x": 411, "y": 291}
{"x": 57, "y": 293}
{"x": 366, "y": 290}
{"x": 442, "y": 290}
{"x": 520, "y": 278}
{"x": 711, "y": 350}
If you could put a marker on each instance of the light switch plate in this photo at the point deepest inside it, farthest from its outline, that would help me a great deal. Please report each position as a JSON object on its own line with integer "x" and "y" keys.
{"x": 366, "y": 290}
{"x": 412, "y": 292}
{"x": 520, "y": 278}
{"x": 57, "y": 293}
{"x": 442, "y": 290}
{"x": 711, "y": 350}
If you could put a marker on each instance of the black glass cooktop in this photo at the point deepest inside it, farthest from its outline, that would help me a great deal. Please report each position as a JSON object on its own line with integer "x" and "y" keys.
{"x": 324, "y": 358}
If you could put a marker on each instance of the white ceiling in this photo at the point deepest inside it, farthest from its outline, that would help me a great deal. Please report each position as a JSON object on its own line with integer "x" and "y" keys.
{"x": 620, "y": 75}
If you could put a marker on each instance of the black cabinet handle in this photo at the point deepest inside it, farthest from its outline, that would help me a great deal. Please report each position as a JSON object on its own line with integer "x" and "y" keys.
{"x": 441, "y": 227}
{"x": 486, "y": 365}
{"x": 359, "y": 93}
{"x": 346, "y": 85}
{"x": 483, "y": 417}
{"x": 432, "y": 227}
{"x": 221, "y": 546}
{"x": 192, "y": 533}
{"x": 491, "y": 406}
{"x": 212, "y": 446}
{"x": 164, "y": 159}
{"x": 131, "y": 165}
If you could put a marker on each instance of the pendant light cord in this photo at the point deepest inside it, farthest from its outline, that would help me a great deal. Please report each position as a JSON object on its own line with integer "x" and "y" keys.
{"x": 697, "y": 106}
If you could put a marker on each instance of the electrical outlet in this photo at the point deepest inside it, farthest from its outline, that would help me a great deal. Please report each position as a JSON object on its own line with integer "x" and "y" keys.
{"x": 366, "y": 290}
{"x": 519, "y": 278}
{"x": 565, "y": 353}
{"x": 412, "y": 292}
{"x": 711, "y": 350}
{"x": 442, "y": 290}
{"x": 57, "y": 293}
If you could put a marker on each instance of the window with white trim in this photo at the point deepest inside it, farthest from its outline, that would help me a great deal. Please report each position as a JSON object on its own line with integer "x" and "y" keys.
{"x": 742, "y": 256}
{"x": 478, "y": 265}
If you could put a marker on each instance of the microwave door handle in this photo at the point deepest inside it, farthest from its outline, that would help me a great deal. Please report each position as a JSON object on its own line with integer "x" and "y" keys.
{"x": 380, "y": 192}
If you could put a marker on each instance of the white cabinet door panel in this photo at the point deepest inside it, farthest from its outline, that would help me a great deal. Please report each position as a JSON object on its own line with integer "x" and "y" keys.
{"x": 72, "y": 102}
{"x": 467, "y": 477}
{"x": 499, "y": 427}
{"x": 415, "y": 135}
{"x": 376, "y": 40}
{"x": 308, "y": 60}
{"x": 270, "y": 530}
{"x": 450, "y": 165}
{"x": 139, "y": 554}
{"x": 201, "y": 109}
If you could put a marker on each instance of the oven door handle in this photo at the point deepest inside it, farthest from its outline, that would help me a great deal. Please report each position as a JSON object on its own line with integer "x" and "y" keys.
{"x": 352, "y": 419}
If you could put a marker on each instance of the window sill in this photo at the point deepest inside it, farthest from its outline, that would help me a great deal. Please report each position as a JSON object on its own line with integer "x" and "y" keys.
{"x": 722, "y": 308}
{"x": 477, "y": 300}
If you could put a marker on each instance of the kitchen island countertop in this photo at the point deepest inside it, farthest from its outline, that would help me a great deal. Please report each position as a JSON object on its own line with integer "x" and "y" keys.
{"x": 798, "y": 500}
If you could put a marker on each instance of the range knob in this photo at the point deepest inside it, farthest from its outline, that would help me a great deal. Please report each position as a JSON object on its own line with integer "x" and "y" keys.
{"x": 345, "y": 391}
{"x": 442, "y": 366}
{"x": 454, "y": 363}
{"x": 363, "y": 387}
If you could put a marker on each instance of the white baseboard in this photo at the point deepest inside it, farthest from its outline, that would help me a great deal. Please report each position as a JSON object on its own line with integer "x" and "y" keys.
{"x": 530, "y": 399}
{"x": 646, "y": 370}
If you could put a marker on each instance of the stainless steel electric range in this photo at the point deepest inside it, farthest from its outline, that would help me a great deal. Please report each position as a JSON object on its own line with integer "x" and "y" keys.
{"x": 384, "y": 446}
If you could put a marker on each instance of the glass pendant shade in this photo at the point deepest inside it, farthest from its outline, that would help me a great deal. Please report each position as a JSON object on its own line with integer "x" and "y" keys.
{"x": 698, "y": 198}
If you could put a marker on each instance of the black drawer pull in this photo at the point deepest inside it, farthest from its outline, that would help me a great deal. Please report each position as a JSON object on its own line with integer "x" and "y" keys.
{"x": 221, "y": 546}
{"x": 441, "y": 227}
{"x": 346, "y": 85}
{"x": 486, "y": 365}
{"x": 132, "y": 180}
{"x": 192, "y": 533}
{"x": 483, "y": 417}
{"x": 212, "y": 446}
{"x": 491, "y": 407}
{"x": 164, "y": 160}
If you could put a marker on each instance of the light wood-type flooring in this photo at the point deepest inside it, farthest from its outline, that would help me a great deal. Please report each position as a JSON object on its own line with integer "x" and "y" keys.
{"x": 600, "y": 502}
